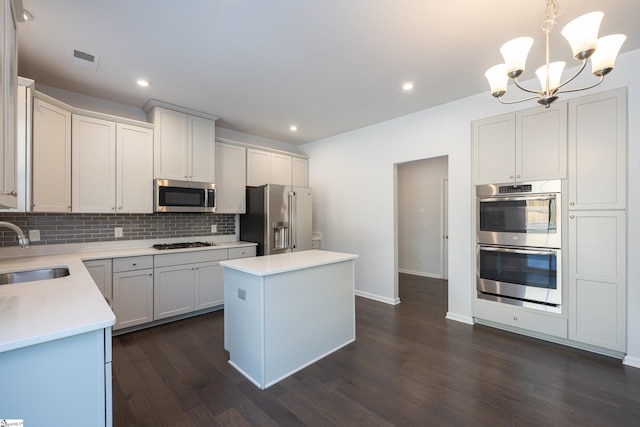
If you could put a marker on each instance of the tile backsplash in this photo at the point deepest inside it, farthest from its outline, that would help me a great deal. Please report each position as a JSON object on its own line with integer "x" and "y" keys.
{"x": 86, "y": 228}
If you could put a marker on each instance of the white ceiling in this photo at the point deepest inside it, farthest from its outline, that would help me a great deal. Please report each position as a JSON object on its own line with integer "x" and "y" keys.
{"x": 328, "y": 66}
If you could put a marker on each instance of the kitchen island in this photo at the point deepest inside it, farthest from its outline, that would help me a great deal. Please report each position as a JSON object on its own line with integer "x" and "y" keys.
{"x": 284, "y": 312}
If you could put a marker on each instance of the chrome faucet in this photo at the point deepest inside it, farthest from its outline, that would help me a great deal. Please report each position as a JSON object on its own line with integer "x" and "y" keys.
{"x": 23, "y": 240}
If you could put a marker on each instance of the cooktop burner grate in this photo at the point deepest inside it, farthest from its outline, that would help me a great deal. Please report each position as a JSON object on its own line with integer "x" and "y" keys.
{"x": 183, "y": 245}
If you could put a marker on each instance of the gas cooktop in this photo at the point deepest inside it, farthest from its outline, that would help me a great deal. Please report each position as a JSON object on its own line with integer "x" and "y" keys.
{"x": 183, "y": 245}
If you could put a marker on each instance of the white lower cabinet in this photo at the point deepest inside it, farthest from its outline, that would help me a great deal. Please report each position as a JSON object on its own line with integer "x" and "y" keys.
{"x": 155, "y": 287}
{"x": 521, "y": 318}
{"x": 173, "y": 290}
{"x": 67, "y": 380}
{"x": 209, "y": 285}
{"x": 102, "y": 273}
{"x": 132, "y": 291}
{"x": 597, "y": 278}
{"x": 187, "y": 281}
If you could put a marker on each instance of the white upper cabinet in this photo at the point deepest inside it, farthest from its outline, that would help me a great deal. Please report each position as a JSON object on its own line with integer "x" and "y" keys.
{"x": 258, "y": 167}
{"x": 170, "y": 144}
{"x": 529, "y": 145}
{"x": 494, "y": 149}
{"x": 597, "y": 151}
{"x": 93, "y": 165}
{"x": 134, "y": 169}
{"x": 281, "y": 169}
{"x": 111, "y": 167}
{"x": 231, "y": 166}
{"x": 300, "y": 172}
{"x": 541, "y": 143}
{"x": 184, "y": 145}
{"x": 8, "y": 104}
{"x": 51, "y": 158}
{"x": 202, "y": 149}
{"x": 265, "y": 167}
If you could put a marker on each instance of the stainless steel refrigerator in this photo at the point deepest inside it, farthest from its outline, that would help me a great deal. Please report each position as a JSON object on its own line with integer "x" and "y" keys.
{"x": 278, "y": 219}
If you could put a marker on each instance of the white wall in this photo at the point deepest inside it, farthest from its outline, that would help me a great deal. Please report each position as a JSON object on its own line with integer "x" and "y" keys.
{"x": 420, "y": 198}
{"x": 353, "y": 179}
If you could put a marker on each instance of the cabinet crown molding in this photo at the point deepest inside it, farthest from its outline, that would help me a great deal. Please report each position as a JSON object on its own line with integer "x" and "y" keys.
{"x": 156, "y": 103}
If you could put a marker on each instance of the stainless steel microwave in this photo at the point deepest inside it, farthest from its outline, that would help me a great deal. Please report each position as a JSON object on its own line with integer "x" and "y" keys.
{"x": 184, "y": 196}
{"x": 527, "y": 214}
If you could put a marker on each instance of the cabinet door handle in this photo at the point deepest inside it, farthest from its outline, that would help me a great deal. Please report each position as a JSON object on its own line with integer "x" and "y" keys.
{"x": 572, "y": 203}
{"x": 572, "y": 216}
{"x": 135, "y": 263}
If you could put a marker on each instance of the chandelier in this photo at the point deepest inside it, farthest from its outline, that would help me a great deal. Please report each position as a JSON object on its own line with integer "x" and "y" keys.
{"x": 582, "y": 35}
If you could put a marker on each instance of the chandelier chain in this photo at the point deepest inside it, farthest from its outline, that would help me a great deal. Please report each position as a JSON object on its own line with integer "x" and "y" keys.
{"x": 552, "y": 11}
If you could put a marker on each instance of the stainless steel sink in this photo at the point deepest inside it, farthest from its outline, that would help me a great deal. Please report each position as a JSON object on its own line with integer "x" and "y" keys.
{"x": 33, "y": 275}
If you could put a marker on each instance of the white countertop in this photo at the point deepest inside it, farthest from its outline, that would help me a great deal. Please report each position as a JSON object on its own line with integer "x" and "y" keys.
{"x": 45, "y": 310}
{"x": 281, "y": 263}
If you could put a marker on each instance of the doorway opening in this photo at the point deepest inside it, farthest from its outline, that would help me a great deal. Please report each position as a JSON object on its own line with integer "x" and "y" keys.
{"x": 422, "y": 218}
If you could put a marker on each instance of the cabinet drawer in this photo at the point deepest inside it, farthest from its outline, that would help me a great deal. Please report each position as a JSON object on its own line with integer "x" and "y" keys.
{"x": 190, "y": 257}
{"x": 244, "y": 252}
{"x": 522, "y": 318}
{"x": 132, "y": 263}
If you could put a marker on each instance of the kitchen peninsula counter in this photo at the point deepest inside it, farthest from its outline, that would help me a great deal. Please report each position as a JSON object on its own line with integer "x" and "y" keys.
{"x": 45, "y": 310}
{"x": 284, "y": 312}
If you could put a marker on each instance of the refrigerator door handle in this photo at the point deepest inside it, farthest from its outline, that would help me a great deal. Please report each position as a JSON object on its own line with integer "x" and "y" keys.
{"x": 292, "y": 220}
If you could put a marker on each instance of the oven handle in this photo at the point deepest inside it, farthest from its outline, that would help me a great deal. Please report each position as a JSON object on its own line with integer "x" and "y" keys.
{"x": 517, "y": 198}
{"x": 518, "y": 251}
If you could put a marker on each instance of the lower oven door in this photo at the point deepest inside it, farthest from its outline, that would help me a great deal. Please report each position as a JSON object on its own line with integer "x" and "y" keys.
{"x": 520, "y": 275}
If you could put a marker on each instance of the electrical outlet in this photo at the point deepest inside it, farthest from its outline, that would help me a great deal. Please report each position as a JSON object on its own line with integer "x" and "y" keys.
{"x": 34, "y": 235}
{"x": 214, "y": 228}
{"x": 118, "y": 231}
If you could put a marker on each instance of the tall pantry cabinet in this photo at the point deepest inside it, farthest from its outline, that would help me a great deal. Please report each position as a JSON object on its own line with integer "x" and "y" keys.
{"x": 597, "y": 219}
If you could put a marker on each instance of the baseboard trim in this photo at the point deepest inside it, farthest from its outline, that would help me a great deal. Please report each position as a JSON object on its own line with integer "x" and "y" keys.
{"x": 634, "y": 362}
{"x": 420, "y": 273}
{"x": 459, "y": 318}
{"x": 378, "y": 298}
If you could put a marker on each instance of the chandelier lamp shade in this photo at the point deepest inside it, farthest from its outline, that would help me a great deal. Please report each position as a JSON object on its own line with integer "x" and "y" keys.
{"x": 582, "y": 35}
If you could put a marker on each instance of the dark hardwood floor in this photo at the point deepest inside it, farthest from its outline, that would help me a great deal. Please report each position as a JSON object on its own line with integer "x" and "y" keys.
{"x": 409, "y": 366}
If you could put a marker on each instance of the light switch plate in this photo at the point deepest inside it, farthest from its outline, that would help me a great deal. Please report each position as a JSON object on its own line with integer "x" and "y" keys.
{"x": 214, "y": 228}
{"x": 118, "y": 231}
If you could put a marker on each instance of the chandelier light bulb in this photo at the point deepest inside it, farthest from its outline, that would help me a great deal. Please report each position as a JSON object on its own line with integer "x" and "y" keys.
{"x": 555, "y": 74}
{"x": 515, "y": 54}
{"x": 498, "y": 79}
{"x": 582, "y": 34}
{"x": 604, "y": 58}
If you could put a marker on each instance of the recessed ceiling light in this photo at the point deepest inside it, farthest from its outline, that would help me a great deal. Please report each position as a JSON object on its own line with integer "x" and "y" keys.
{"x": 293, "y": 128}
{"x": 143, "y": 83}
{"x": 407, "y": 86}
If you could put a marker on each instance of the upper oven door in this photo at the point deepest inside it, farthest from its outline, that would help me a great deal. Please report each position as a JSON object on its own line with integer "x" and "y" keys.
{"x": 530, "y": 220}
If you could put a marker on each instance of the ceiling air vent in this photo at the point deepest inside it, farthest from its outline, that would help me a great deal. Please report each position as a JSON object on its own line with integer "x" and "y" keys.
{"x": 86, "y": 60}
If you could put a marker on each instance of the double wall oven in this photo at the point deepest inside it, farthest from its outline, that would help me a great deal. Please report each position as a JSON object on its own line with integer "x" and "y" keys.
{"x": 519, "y": 244}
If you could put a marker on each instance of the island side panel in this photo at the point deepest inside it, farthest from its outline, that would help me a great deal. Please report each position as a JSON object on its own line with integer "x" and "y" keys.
{"x": 309, "y": 314}
{"x": 243, "y": 323}
{"x": 56, "y": 382}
